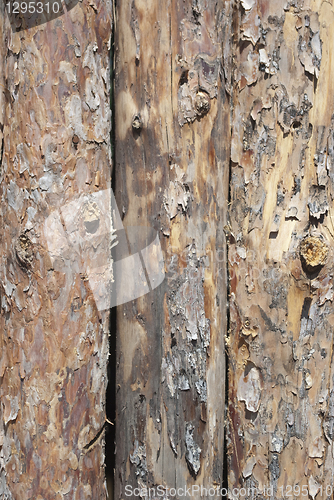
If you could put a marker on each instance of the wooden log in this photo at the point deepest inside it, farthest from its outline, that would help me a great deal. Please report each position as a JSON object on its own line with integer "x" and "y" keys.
{"x": 171, "y": 171}
{"x": 280, "y": 251}
{"x": 55, "y": 154}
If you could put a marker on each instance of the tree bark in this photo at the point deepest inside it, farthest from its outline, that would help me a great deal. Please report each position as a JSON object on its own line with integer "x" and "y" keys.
{"x": 55, "y": 131}
{"x": 280, "y": 250}
{"x": 177, "y": 166}
{"x": 171, "y": 171}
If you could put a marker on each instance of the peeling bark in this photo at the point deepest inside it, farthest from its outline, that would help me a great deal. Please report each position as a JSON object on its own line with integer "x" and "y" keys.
{"x": 172, "y": 168}
{"x": 54, "y": 131}
{"x": 280, "y": 249}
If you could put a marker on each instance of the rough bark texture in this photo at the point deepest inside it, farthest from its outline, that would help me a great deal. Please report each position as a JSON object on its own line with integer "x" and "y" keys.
{"x": 281, "y": 390}
{"x": 54, "y": 126}
{"x": 172, "y": 164}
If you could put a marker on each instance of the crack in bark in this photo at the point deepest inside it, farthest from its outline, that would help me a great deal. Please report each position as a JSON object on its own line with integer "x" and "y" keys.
{"x": 92, "y": 442}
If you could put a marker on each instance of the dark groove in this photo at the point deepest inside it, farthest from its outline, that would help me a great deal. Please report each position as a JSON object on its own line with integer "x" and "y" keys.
{"x": 226, "y": 419}
{"x": 110, "y": 445}
{"x": 95, "y": 438}
{"x": 1, "y": 154}
{"x": 227, "y": 430}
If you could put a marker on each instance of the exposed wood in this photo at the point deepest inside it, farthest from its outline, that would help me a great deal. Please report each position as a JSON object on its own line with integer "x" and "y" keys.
{"x": 280, "y": 249}
{"x": 55, "y": 124}
{"x": 172, "y": 167}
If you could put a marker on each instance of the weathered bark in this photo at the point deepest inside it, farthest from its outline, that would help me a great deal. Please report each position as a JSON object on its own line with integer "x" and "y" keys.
{"x": 171, "y": 170}
{"x": 280, "y": 253}
{"x": 55, "y": 124}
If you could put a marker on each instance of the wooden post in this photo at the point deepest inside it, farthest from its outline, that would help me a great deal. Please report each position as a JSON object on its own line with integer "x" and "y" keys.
{"x": 55, "y": 129}
{"x": 280, "y": 252}
{"x": 172, "y": 171}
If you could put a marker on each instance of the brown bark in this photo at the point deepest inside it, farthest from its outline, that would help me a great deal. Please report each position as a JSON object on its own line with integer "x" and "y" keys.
{"x": 280, "y": 252}
{"x": 55, "y": 125}
{"x": 171, "y": 174}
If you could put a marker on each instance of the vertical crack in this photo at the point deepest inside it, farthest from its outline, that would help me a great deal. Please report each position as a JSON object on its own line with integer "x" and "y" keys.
{"x": 226, "y": 416}
{"x": 227, "y": 430}
{"x": 1, "y": 154}
{"x": 110, "y": 445}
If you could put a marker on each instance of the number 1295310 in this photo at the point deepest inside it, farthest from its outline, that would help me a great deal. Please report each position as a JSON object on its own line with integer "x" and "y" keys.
{"x": 297, "y": 491}
{"x": 33, "y": 7}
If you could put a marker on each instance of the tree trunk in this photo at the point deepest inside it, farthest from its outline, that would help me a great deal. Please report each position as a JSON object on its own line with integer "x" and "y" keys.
{"x": 171, "y": 171}
{"x": 280, "y": 250}
{"x": 55, "y": 159}
{"x": 177, "y": 167}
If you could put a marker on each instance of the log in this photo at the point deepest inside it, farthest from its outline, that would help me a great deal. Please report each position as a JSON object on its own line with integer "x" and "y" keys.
{"x": 172, "y": 134}
{"x": 280, "y": 251}
{"x": 54, "y": 165}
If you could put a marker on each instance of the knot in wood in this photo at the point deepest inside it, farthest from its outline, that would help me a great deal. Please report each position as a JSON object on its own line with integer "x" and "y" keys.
{"x": 75, "y": 139}
{"x": 313, "y": 252}
{"x": 202, "y": 103}
{"x": 24, "y": 250}
{"x": 137, "y": 123}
